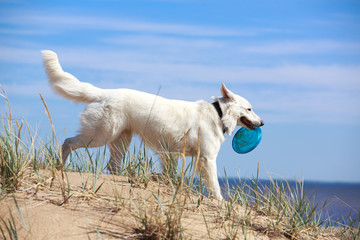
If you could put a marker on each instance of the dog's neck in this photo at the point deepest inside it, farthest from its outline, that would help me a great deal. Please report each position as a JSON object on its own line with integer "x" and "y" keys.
{"x": 219, "y": 111}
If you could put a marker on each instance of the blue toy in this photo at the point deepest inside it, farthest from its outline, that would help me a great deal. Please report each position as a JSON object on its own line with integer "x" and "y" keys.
{"x": 246, "y": 140}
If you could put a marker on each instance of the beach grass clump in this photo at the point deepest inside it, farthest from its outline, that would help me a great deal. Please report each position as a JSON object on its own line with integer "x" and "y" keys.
{"x": 163, "y": 218}
{"x": 294, "y": 211}
{"x": 15, "y": 155}
{"x": 351, "y": 229}
{"x": 16, "y": 152}
{"x": 290, "y": 211}
{"x": 138, "y": 166}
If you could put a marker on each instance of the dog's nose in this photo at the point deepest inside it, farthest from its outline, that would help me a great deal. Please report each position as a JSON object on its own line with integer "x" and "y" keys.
{"x": 261, "y": 123}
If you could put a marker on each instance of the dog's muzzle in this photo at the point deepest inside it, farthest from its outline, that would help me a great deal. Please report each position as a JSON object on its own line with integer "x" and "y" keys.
{"x": 250, "y": 124}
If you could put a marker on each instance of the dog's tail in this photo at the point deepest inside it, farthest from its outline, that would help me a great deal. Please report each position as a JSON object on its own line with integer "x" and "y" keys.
{"x": 66, "y": 84}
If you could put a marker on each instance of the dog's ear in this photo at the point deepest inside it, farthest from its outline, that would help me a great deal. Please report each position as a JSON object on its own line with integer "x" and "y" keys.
{"x": 226, "y": 93}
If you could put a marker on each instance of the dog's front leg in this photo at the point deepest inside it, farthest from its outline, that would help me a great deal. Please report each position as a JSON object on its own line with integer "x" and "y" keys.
{"x": 208, "y": 171}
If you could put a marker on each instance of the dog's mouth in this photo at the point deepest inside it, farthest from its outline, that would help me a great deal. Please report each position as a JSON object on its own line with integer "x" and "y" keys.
{"x": 248, "y": 124}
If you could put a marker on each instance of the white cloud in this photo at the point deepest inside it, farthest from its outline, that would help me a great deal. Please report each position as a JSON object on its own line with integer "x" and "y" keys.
{"x": 19, "y": 55}
{"x": 326, "y": 76}
{"x": 62, "y": 22}
{"x": 164, "y": 41}
{"x": 29, "y": 89}
{"x": 22, "y": 31}
{"x": 303, "y": 47}
{"x": 162, "y": 69}
{"x": 235, "y": 47}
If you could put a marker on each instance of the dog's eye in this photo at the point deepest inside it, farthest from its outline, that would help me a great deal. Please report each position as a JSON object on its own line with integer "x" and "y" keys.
{"x": 249, "y": 109}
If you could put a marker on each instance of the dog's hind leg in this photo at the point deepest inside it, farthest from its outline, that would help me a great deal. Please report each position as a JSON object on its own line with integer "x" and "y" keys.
{"x": 80, "y": 141}
{"x": 118, "y": 147}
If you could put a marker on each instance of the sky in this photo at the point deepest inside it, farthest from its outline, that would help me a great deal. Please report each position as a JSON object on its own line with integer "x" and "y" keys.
{"x": 297, "y": 62}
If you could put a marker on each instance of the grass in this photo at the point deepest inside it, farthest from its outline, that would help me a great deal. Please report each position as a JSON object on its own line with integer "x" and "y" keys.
{"x": 351, "y": 229}
{"x": 9, "y": 227}
{"x": 162, "y": 220}
{"x": 15, "y": 154}
{"x": 274, "y": 210}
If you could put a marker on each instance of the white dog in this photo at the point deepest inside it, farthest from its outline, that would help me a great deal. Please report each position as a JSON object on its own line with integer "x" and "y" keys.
{"x": 112, "y": 116}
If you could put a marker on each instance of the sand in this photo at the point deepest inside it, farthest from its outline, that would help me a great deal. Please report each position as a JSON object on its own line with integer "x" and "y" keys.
{"x": 117, "y": 211}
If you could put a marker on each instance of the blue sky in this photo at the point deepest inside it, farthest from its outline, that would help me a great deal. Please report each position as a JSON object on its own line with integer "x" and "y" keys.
{"x": 297, "y": 62}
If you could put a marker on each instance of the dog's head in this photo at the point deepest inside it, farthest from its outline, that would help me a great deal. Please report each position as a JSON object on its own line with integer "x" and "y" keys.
{"x": 237, "y": 111}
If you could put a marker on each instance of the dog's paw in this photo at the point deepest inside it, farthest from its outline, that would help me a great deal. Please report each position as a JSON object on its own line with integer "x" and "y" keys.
{"x": 219, "y": 197}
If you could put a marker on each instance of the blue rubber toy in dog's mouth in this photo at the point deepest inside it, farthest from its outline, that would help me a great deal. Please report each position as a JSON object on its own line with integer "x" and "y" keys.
{"x": 246, "y": 140}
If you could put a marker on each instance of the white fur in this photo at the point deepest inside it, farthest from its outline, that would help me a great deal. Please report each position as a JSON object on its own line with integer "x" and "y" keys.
{"x": 112, "y": 116}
